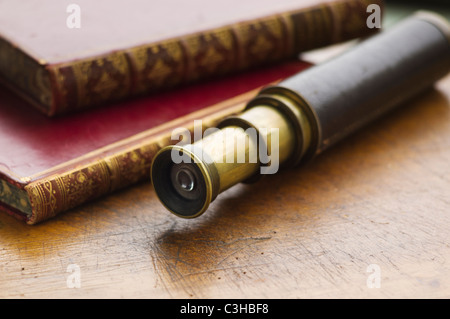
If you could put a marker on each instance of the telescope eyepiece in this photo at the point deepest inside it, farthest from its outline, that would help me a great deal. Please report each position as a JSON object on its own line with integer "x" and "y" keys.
{"x": 181, "y": 187}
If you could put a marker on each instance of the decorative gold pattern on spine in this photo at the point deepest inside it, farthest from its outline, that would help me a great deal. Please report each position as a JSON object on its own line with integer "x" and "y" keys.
{"x": 175, "y": 61}
{"x": 130, "y": 166}
{"x": 58, "y": 193}
{"x": 157, "y": 66}
{"x": 209, "y": 53}
{"x": 263, "y": 41}
{"x": 92, "y": 82}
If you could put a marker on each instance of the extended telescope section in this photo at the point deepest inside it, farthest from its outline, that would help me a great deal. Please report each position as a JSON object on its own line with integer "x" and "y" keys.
{"x": 287, "y": 124}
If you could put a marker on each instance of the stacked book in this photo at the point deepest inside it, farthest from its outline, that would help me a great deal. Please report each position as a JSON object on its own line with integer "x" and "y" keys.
{"x": 91, "y": 91}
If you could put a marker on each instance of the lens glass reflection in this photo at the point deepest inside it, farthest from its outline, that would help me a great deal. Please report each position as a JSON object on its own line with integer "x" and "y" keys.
{"x": 185, "y": 180}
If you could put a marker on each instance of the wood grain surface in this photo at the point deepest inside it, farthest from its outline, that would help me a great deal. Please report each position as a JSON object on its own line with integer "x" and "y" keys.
{"x": 380, "y": 200}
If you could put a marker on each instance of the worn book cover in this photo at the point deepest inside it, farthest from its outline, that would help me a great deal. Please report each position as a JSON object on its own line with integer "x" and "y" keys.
{"x": 49, "y": 165}
{"x": 64, "y": 56}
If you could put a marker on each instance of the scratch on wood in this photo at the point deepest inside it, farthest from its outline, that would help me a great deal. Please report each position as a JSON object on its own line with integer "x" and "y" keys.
{"x": 241, "y": 248}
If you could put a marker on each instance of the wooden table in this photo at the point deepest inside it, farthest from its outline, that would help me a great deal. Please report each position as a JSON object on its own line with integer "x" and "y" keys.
{"x": 370, "y": 218}
{"x": 377, "y": 204}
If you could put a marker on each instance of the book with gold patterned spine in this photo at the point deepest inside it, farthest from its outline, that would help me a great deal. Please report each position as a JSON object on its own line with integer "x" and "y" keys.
{"x": 121, "y": 49}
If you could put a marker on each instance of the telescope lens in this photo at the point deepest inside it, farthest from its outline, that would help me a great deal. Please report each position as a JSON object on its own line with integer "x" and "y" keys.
{"x": 181, "y": 187}
{"x": 185, "y": 180}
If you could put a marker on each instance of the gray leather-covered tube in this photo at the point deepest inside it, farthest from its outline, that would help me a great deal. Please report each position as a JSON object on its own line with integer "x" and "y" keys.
{"x": 380, "y": 73}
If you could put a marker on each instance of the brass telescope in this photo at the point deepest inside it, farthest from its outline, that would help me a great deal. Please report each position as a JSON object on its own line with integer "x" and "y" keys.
{"x": 305, "y": 114}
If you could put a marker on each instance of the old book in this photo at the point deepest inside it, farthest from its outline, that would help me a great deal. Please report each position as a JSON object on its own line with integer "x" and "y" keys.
{"x": 49, "y": 165}
{"x": 64, "y": 58}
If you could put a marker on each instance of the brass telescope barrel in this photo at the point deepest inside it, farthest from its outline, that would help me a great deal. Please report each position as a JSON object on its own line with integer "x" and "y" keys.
{"x": 305, "y": 114}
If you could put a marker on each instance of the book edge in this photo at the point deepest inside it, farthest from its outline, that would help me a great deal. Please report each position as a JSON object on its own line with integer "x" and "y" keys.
{"x": 116, "y": 75}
